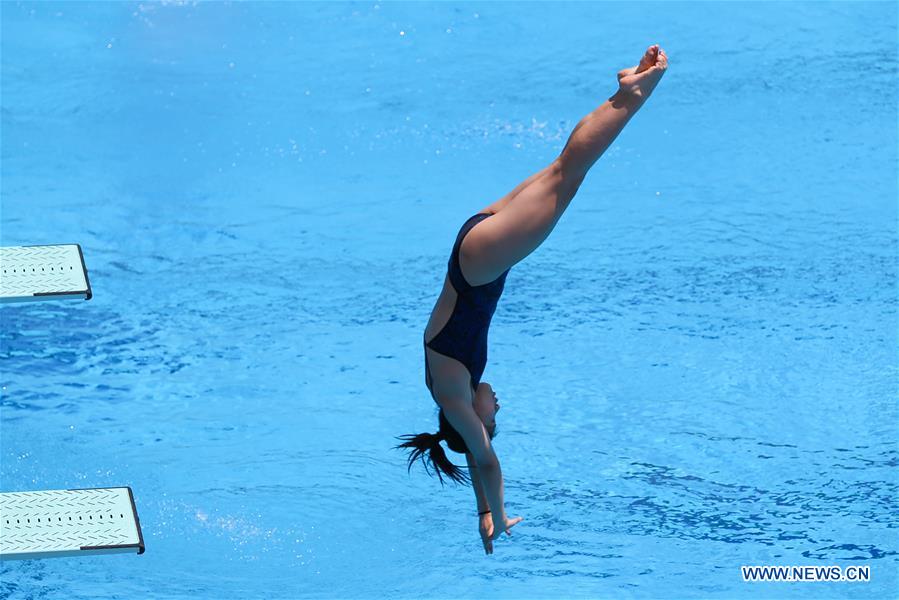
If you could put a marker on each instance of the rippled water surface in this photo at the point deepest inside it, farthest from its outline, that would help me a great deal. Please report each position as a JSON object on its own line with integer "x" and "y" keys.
{"x": 698, "y": 369}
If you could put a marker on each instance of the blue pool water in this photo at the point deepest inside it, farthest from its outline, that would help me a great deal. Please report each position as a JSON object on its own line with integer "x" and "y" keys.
{"x": 698, "y": 369}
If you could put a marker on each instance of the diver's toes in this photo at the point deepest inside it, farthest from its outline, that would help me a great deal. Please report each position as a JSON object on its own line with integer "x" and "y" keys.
{"x": 649, "y": 58}
{"x": 662, "y": 60}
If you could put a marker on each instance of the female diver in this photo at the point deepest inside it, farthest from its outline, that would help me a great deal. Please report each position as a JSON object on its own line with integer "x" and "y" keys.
{"x": 487, "y": 246}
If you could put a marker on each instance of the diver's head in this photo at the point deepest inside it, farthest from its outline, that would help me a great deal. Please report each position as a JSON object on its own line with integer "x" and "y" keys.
{"x": 427, "y": 445}
{"x": 486, "y": 406}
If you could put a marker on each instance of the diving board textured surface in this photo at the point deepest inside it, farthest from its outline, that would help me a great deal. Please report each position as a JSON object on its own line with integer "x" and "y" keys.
{"x": 68, "y": 523}
{"x": 30, "y": 273}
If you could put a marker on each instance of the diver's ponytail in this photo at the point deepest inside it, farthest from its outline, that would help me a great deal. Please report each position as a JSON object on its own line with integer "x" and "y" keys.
{"x": 430, "y": 442}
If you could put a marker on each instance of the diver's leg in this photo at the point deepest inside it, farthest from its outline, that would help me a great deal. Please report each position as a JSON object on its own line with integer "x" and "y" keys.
{"x": 499, "y": 204}
{"x": 528, "y": 217}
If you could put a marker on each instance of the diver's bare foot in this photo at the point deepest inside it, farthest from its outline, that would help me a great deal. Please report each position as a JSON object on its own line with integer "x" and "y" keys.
{"x": 639, "y": 81}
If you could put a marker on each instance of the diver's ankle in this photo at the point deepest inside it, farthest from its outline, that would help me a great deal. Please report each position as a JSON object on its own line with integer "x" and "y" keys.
{"x": 630, "y": 98}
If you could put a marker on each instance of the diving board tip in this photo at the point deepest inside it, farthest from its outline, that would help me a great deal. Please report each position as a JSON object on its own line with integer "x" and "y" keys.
{"x": 55, "y": 523}
{"x": 49, "y": 272}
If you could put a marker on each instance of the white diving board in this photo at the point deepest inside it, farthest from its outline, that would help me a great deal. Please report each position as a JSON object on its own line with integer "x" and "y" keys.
{"x": 68, "y": 523}
{"x": 30, "y": 273}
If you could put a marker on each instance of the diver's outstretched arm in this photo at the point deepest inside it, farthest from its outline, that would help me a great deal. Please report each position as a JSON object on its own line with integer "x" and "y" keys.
{"x": 485, "y": 517}
{"x": 458, "y": 411}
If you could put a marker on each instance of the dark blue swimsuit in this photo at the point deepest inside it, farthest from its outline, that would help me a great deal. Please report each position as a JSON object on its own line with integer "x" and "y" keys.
{"x": 464, "y": 337}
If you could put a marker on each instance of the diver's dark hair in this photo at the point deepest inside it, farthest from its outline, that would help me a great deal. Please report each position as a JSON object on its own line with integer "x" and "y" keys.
{"x": 430, "y": 443}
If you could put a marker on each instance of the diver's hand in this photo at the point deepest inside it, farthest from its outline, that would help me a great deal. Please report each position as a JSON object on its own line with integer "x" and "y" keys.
{"x": 485, "y": 528}
{"x": 506, "y": 526}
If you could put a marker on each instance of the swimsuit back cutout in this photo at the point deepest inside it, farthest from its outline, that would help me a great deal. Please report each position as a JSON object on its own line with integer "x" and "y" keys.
{"x": 464, "y": 337}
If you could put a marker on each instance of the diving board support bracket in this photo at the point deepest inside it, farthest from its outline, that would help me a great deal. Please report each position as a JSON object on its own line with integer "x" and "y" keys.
{"x": 69, "y": 523}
